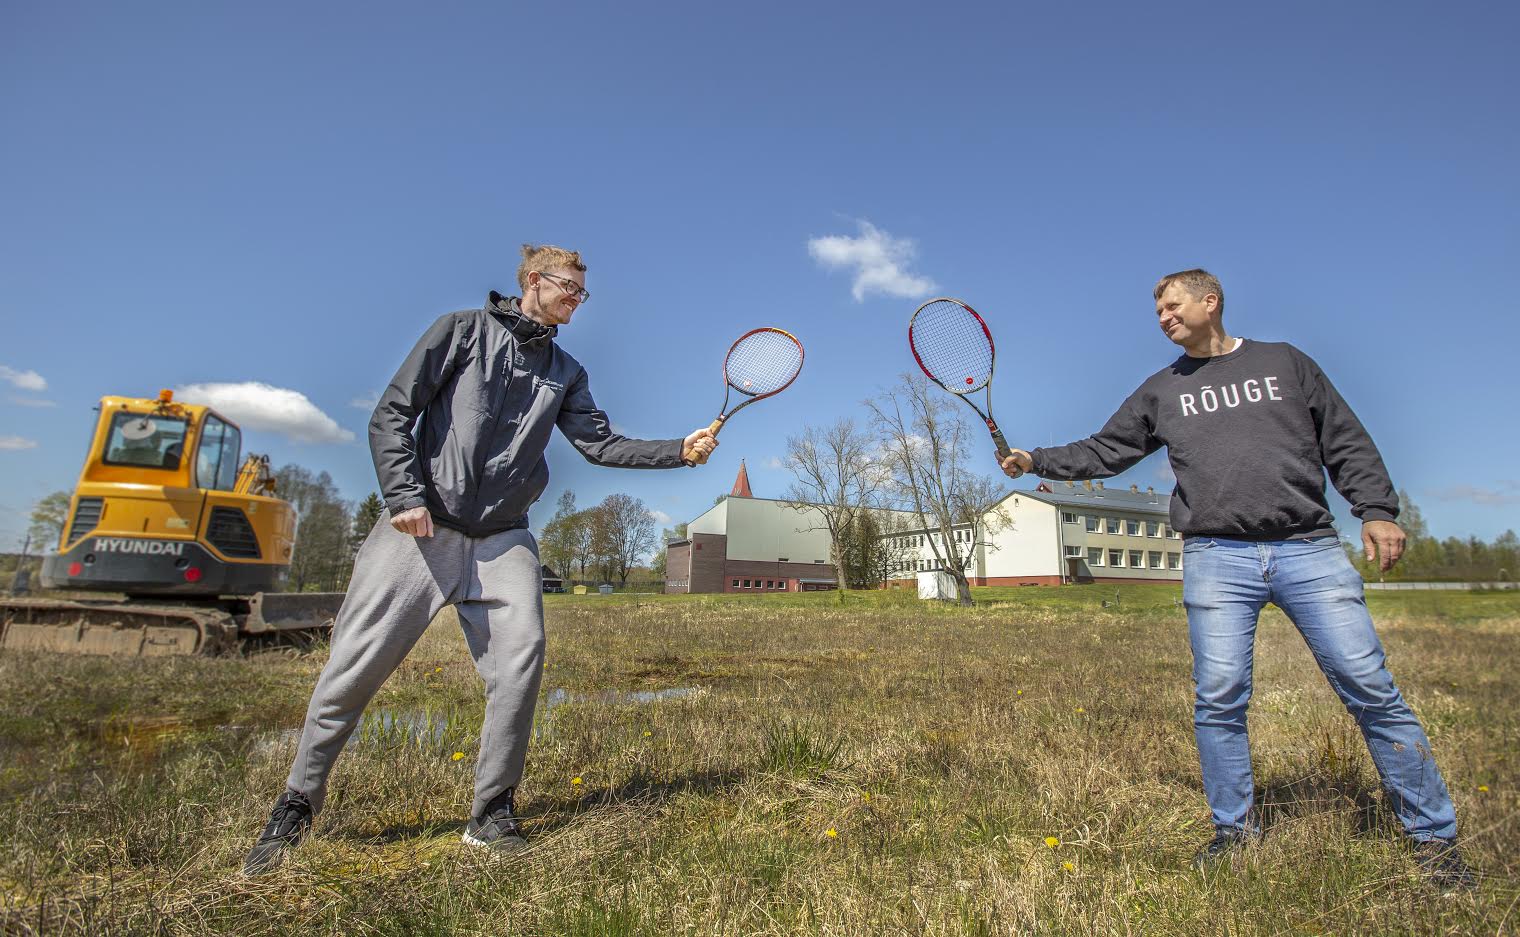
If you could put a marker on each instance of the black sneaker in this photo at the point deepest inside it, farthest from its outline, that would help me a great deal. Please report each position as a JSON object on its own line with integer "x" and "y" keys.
{"x": 1224, "y": 847}
{"x": 288, "y": 822}
{"x": 1443, "y": 865}
{"x": 498, "y": 829}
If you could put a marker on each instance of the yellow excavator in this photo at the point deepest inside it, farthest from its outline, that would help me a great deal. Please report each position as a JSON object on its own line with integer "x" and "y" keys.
{"x": 168, "y": 514}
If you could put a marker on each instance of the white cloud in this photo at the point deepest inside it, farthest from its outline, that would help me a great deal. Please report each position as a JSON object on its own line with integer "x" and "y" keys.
{"x": 30, "y": 401}
{"x": 25, "y": 380}
{"x": 1484, "y": 496}
{"x": 879, "y": 262}
{"x": 366, "y": 402}
{"x": 660, "y": 517}
{"x": 268, "y": 409}
{"x": 17, "y": 442}
{"x": 774, "y": 463}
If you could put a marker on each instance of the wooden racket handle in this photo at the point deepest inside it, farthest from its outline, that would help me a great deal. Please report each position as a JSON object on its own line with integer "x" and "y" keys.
{"x": 689, "y": 456}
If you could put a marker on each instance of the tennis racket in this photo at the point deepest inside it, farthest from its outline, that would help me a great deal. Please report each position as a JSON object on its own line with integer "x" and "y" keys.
{"x": 761, "y": 364}
{"x": 954, "y": 347}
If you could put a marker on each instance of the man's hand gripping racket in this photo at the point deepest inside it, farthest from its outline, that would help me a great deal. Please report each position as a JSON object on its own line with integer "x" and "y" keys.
{"x": 954, "y": 347}
{"x": 761, "y": 364}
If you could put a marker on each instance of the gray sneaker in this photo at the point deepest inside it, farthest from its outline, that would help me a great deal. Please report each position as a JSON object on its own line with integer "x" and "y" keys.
{"x": 1227, "y": 844}
{"x": 499, "y": 828}
{"x": 288, "y": 822}
{"x": 1443, "y": 865}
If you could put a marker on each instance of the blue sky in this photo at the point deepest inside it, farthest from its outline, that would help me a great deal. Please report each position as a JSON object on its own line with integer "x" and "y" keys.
{"x": 288, "y": 194}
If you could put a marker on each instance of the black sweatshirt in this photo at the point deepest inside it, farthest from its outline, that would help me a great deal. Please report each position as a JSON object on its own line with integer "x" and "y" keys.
{"x": 1249, "y": 435}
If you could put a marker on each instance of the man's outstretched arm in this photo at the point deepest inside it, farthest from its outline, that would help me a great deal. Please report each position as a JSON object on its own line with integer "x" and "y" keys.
{"x": 1124, "y": 440}
{"x": 590, "y": 431}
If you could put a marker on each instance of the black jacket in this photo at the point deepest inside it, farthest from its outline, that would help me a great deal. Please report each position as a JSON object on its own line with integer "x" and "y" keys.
{"x": 488, "y": 385}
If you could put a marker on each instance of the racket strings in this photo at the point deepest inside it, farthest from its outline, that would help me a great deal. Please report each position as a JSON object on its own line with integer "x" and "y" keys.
{"x": 952, "y": 346}
{"x": 763, "y": 363}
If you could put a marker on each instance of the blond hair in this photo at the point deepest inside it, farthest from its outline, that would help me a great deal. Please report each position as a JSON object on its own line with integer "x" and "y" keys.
{"x": 542, "y": 258}
{"x": 1197, "y": 281}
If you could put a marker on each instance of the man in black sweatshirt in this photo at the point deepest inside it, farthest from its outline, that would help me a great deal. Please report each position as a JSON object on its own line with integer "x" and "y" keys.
{"x": 1250, "y": 429}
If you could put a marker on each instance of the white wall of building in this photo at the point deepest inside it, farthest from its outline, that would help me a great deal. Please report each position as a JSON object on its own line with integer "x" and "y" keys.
{"x": 712, "y": 521}
{"x": 760, "y": 529}
{"x": 1028, "y": 546}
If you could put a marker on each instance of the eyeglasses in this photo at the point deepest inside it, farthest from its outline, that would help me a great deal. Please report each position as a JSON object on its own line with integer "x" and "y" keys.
{"x": 574, "y": 290}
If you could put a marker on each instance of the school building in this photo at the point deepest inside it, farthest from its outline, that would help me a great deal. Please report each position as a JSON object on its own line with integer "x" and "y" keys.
{"x": 1059, "y": 532}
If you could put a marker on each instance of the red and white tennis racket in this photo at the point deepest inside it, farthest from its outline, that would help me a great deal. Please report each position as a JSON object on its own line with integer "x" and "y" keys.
{"x": 761, "y": 364}
{"x": 954, "y": 347}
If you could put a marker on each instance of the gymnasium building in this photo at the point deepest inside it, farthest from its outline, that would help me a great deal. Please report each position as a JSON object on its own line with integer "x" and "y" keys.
{"x": 1060, "y": 532}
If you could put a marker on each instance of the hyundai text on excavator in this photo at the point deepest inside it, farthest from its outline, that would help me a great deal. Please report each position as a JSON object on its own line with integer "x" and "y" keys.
{"x": 167, "y": 514}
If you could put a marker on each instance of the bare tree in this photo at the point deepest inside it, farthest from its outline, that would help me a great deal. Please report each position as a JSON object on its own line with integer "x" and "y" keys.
{"x": 927, "y": 456}
{"x": 624, "y": 531}
{"x": 834, "y": 480}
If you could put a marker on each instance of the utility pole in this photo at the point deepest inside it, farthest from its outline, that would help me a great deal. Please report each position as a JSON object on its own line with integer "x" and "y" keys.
{"x": 21, "y": 582}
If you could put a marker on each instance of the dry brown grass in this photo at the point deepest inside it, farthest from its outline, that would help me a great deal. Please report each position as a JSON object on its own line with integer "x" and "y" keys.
{"x": 942, "y": 747}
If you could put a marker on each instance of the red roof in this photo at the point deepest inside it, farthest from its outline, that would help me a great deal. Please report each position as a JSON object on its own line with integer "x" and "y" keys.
{"x": 741, "y": 483}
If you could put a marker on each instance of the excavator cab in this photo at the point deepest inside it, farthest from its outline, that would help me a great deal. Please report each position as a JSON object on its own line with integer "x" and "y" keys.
{"x": 165, "y": 507}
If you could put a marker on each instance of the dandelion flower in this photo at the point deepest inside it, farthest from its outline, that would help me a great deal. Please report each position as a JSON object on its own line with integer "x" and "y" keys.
{"x": 831, "y": 833}
{"x": 437, "y": 670}
{"x": 1483, "y": 788}
{"x": 1018, "y": 693}
{"x": 647, "y": 733}
{"x": 575, "y": 781}
{"x": 458, "y": 755}
{"x": 866, "y": 796}
{"x": 1080, "y": 710}
{"x": 1068, "y": 866}
{"x": 1052, "y": 841}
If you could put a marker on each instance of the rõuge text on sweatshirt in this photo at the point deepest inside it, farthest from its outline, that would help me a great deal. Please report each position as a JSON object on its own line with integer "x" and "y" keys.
{"x": 1249, "y": 435}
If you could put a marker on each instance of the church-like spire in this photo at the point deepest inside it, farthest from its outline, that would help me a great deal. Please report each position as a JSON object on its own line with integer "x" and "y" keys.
{"x": 741, "y": 483}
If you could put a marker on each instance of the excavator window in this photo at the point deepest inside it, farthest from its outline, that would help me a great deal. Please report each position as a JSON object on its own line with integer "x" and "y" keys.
{"x": 216, "y": 462}
{"x": 145, "y": 441}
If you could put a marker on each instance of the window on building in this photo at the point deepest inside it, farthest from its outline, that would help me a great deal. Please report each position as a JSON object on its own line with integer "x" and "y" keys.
{"x": 1095, "y": 556}
{"x": 1132, "y": 528}
{"x": 1113, "y": 525}
{"x": 1092, "y": 524}
{"x": 1072, "y": 551}
{"x": 1137, "y": 559}
{"x": 1152, "y": 529}
{"x": 736, "y": 583}
{"x": 1155, "y": 557}
{"x": 1173, "y": 533}
{"x": 1174, "y": 561}
{"x": 1116, "y": 557}
{"x": 1068, "y": 517}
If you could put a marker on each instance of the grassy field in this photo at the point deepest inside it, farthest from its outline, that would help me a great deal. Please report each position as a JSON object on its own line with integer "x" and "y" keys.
{"x": 868, "y": 767}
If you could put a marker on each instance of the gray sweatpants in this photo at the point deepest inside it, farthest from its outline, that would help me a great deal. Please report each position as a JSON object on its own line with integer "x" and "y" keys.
{"x": 400, "y": 582}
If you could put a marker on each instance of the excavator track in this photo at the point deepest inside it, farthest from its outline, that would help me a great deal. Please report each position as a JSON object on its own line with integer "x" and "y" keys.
{"x": 120, "y": 628}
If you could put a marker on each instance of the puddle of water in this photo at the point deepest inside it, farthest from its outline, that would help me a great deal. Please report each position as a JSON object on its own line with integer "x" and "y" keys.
{"x": 561, "y": 696}
{"x": 378, "y": 727}
{"x": 428, "y": 729}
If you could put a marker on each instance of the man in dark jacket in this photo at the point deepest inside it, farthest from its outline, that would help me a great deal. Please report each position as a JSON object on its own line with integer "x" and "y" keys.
{"x": 1250, "y": 429}
{"x": 488, "y": 386}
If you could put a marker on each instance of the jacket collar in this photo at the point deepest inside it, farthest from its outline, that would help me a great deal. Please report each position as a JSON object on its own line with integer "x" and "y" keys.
{"x": 524, "y": 329}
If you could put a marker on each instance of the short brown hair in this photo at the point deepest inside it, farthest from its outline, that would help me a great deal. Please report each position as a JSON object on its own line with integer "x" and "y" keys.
{"x": 541, "y": 258}
{"x": 1197, "y": 281}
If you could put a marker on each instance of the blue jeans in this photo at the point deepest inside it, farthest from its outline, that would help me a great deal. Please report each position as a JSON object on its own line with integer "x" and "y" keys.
{"x": 1225, "y": 583}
